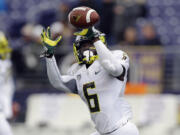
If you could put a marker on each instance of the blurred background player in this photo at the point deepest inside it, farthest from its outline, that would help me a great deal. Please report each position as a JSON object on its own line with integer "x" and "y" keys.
{"x": 6, "y": 86}
{"x": 99, "y": 77}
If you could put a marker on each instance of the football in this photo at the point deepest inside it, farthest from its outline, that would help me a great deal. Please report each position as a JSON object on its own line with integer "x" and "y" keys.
{"x": 83, "y": 17}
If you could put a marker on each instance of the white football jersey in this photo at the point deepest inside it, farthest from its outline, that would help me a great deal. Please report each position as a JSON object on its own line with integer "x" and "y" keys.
{"x": 6, "y": 87}
{"x": 103, "y": 93}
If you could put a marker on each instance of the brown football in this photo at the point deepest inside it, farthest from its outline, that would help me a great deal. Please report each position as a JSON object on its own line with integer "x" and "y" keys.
{"x": 83, "y": 17}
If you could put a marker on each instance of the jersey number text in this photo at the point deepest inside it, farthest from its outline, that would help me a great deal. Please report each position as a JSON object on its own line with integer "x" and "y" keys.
{"x": 92, "y": 99}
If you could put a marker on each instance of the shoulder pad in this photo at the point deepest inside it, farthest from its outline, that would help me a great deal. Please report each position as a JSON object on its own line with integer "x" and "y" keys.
{"x": 73, "y": 69}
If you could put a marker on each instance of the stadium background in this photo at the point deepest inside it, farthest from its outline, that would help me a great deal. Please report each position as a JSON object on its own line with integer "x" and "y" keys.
{"x": 148, "y": 30}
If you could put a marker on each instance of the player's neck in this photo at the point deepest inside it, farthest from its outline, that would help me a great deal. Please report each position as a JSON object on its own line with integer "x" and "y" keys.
{"x": 88, "y": 65}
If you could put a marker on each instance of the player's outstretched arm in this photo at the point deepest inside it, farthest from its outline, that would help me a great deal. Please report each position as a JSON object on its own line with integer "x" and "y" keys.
{"x": 115, "y": 64}
{"x": 108, "y": 60}
{"x": 66, "y": 83}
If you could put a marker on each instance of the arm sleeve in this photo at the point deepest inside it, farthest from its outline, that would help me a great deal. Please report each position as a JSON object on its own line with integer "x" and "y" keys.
{"x": 113, "y": 63}
{"x": 66, "y": 83}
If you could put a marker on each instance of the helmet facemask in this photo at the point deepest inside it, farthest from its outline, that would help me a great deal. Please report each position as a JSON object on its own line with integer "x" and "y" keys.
{"x": 85, "y": 51}
{"x": 86, "y": 56}
{"x": 89, "y": 55}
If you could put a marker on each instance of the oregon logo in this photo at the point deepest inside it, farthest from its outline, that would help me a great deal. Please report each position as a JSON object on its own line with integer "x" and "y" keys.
{"x": 76, "y": 18}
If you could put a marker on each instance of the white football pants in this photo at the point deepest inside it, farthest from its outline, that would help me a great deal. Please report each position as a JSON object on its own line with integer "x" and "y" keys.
{"x": 5, "y": 128}
{"x": 128, "y": 129}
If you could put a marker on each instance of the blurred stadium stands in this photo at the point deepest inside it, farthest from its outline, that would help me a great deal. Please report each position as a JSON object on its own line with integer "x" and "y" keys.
{"x": 153, "y": 46}
{"x": 164, "y": 15}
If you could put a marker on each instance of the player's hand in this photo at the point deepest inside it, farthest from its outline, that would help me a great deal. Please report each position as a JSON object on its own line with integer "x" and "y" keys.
{"x": 47, "y": 42}
{"x": 90, "y": 33}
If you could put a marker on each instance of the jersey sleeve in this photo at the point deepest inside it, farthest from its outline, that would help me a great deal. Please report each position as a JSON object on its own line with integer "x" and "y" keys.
{"x": 66, "y": 83}
{"x": 5, "y": 71}
{"x": 123, "y": 60}
{"x": 122, "y": 57}
{"x": 112, "y": 62}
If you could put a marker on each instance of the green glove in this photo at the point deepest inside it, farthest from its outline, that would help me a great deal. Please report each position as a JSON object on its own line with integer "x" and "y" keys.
{"x": 47, "y": 42}
{"x": 90, "y": 33}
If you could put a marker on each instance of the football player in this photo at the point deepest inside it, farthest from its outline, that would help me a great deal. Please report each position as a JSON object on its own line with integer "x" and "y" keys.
{"x": 99, "y": 77}
{"x": 6, "y": 86}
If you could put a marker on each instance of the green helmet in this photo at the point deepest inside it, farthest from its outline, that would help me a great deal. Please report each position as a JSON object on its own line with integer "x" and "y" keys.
{"x": 81, "y": 59}
{"x": 4, "y": 46}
